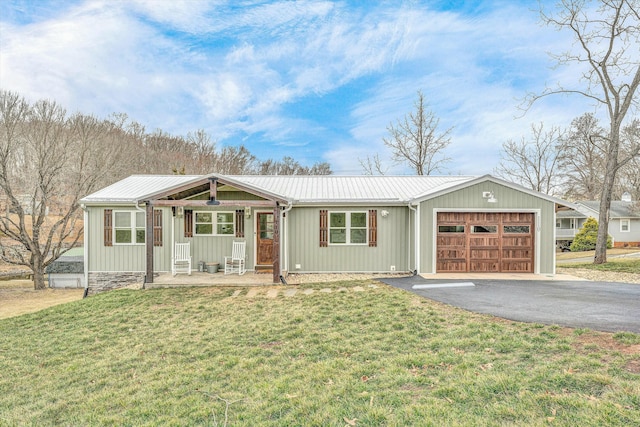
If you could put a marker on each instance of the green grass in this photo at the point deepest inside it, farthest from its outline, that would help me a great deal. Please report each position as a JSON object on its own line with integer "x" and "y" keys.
{"x": 383, "y": 357}
{"x": 616, "y": 265}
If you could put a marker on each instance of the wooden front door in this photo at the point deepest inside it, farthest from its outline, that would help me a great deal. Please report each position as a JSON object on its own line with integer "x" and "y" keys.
{"x": 264, "y": 238}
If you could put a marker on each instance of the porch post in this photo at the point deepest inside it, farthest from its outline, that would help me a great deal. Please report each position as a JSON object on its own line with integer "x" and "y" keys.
{"x": 276, "y": 244}
{"x": 148, "y": 233}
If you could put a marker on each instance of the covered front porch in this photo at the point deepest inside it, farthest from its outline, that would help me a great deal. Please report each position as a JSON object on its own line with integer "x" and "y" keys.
{"x": 209, "y": 215}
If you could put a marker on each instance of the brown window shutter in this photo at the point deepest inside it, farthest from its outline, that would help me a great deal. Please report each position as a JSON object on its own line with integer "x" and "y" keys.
{"x": 157, "y": 227}
{"x": 188, "y": 223}
{"x": 240, "y": 223}
{"x": 108, "y": 227}
{"x": 324, "y": 228}
{"x": 373, "y": 228}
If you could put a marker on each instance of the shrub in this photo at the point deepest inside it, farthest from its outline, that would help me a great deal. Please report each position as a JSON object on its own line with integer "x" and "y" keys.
{"x": 586, "y": 238}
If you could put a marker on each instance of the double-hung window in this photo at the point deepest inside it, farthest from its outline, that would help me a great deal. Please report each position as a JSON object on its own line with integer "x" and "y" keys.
{"x": 213, "y": 223}
{"x": 625, "y": 225}
{"x": 348, "y": 228}
{"x": 128, "y": 227}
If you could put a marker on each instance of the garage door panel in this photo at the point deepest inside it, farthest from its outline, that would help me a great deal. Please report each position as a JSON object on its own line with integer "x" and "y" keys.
{"x": 452, "y": 253}
{"x": 484, "y": 266}
{"x": 449, "y": 240}
{"x": 454, "y": 266}
{"x": 485, "y": 241}
{"x": 517, "y": 266}
{"x": 488, "y": 253}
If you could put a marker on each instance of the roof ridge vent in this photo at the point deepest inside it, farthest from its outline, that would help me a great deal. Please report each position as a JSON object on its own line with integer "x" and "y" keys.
{"x": 626, "y": 196}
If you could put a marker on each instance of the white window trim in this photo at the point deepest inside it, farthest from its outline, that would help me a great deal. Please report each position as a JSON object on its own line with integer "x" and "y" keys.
{"x": 214, "y": 223}
{"x": 134, "y": 227}
{"x": 628, "y": 222}
{"x": 348, "y": 228}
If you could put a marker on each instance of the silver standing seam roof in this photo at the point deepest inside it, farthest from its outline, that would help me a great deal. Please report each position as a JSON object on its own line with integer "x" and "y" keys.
{"x": 299, "y": 189}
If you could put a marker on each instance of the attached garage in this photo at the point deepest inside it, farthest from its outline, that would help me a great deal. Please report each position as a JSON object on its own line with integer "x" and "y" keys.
{"x": 486, "y": 225}
{"x": 485, "y": 242}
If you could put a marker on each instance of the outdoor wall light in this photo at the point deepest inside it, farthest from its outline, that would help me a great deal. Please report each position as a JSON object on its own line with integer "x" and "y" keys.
{"x": 247, "y": 212}
{"x": 491, "y": 198}
{"x": 384, "y": 213}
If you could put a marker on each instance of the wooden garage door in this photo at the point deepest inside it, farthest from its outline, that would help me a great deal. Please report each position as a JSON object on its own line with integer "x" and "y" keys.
{"x": 485, "y": 242}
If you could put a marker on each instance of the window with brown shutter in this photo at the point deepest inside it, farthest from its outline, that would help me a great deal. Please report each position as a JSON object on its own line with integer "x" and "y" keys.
{"x": 240, "y": 223}
{"x": 188, "y": 223}
{"x": 373, "y": 228}
{"x": 324, "y": 228}
{"x": 157, "y": 227}
{"x": 108, "y": 227}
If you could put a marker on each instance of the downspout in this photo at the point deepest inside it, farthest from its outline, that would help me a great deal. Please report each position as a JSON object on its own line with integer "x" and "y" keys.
{"x": 85, "y": 241}
{"x": 285, "y": 239}
{"x": 144, "y": 281}
{"x": 416, "y": 247}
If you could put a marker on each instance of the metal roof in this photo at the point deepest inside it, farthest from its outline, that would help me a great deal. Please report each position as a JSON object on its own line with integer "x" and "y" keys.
{"x": 343, "y": 189}
{"x": 299, "y": 189}
{"x": 135, "y": 187}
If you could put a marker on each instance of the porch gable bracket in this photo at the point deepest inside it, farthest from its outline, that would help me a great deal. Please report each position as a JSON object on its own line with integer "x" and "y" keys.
{"x": 213, "y": 189}
{"x": 200, "y": 203}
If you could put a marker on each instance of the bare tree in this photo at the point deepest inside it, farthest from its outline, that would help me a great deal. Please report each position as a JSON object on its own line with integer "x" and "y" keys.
{"x": 373, "y": 166}
{"x": 290, "y": 166}
{"x": 47, "y": 162}
{"x": 583, "y": 155}
{"x": 320, "y": 168}
{"x": 608, "y": 40}
{"x": 629, "y": 173}
{"x": 235, "y": 161}
{"x": 415, "y": 140}
{"x": 533, "y": 163}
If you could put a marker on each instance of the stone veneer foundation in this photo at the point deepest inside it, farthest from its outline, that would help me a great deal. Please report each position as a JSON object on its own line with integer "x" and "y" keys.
{"x": 107, "y": 281}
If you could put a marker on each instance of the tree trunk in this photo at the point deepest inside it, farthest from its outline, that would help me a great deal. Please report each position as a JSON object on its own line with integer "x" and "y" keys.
{"x": 38, "y": 273}
{"x": 605, "y": 197}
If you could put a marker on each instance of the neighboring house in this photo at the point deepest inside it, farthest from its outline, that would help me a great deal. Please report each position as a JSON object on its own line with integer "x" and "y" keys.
{"x": 68, "y": 270}
{"x": 624, "y": 222}
{"x": 309, "y": 224}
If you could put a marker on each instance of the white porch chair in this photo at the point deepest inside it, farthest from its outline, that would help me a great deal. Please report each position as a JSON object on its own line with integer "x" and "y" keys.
{"x": 235, "y": 262}
{"x": 181, "y": 262}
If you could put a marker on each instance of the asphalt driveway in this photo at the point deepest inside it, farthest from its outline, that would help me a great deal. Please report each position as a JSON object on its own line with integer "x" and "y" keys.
{"x": 601, "y": 306}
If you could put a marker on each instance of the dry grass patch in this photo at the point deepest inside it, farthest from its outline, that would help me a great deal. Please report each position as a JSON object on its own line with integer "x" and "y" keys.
{"x": 18, "y": 297}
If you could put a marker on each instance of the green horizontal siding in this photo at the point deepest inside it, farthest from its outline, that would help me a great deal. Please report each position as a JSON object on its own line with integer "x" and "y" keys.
{"x": 304, "y": 245}
{"x": 128, "y": 258}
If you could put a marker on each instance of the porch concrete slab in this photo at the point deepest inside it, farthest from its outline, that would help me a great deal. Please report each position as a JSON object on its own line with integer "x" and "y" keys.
{"x": 166, "y": 280}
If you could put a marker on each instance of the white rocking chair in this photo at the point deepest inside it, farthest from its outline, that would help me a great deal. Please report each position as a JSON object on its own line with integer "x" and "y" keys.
{"x": 181, "y": 262}
{"x": 235, "y": 262}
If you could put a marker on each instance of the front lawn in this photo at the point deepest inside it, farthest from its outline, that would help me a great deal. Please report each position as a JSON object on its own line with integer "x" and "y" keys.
{"x": 377, "y": 357}
{"x": 617, "y": 265}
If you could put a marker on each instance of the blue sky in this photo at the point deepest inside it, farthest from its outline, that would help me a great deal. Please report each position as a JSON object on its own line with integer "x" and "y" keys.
{"x": 315, "y": 80}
